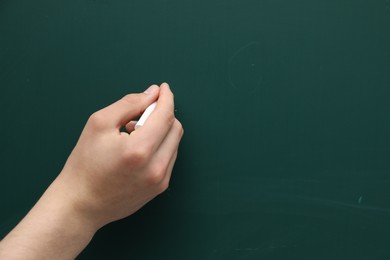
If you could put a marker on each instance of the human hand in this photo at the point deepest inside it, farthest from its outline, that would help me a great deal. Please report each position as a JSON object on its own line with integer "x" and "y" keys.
{"x": 108, "y": 176}
{"x": 111, "y": 174}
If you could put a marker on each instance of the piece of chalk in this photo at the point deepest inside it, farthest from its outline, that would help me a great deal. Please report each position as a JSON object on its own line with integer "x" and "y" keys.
{"x": 145, "y": 115}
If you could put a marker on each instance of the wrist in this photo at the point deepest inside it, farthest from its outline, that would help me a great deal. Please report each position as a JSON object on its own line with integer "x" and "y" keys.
{"x": 62, "y": 203}
{"x": 51, "y": 226}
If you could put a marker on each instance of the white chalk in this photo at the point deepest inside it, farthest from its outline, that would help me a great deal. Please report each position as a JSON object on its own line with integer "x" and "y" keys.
{"x": 145, "y": 115}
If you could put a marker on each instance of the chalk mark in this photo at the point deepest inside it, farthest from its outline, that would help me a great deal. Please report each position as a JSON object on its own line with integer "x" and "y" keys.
{"x": 252, "y": 66}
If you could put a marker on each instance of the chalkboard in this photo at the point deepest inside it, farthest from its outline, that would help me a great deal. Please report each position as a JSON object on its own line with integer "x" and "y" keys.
{"x": 285, "y": 105}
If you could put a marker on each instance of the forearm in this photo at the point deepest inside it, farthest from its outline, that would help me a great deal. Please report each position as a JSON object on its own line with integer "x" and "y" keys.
{"x": 109, "y": 175}
{"x": 51, "y": 230}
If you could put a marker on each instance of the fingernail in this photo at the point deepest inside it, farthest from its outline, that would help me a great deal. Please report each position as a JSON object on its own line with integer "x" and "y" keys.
{"x": 165, "y": 84}
{"x": 151, "y": 89}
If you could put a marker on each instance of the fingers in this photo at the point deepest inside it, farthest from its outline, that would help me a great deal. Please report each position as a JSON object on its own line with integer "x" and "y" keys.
{"x": 165, "y": 156}
{"x": 167, "y": 177}
{"x": 170, "y": 144}
{"x": 156, "y": 128}
{"x": 121, "y": 112}
{"x": 130, "y": 126}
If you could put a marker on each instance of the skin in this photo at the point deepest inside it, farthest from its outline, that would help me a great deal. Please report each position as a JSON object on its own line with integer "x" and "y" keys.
{"x": 108, "y": 176}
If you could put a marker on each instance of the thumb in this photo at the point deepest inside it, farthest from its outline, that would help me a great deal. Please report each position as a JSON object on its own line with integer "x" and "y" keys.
{"x": 127, "y": 108}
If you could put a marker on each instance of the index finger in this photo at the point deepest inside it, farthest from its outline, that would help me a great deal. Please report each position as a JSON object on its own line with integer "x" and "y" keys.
{"x": 156, "y": 128}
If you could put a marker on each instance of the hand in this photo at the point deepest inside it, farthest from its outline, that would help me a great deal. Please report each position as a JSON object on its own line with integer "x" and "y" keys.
{"x": 111, "y": 174}
{"x": 108, "y": 176}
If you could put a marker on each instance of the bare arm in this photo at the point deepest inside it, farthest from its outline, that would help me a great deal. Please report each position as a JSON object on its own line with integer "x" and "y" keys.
{"x": 108, "y": 176}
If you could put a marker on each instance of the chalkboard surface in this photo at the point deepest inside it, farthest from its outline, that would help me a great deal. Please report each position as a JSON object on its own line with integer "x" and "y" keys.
{"x": 285, "y": 106}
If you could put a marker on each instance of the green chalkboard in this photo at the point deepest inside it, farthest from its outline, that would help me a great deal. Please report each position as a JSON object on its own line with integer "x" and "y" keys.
{"x": 285, "y": 105}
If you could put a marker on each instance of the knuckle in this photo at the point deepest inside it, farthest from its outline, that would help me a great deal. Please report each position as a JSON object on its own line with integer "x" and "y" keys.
{"x": 138, "y": 156}
{"x": 170, "y": 117}
{"x": 164, "y": 185}
{"x": 97, "y": 120}
{"x": 155, "y": 177}
{"x": 179, "y": 127}
{"x": 130, "y": 98}
{"x": 136, "y": 101}
{"x": 156, "y": 174}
